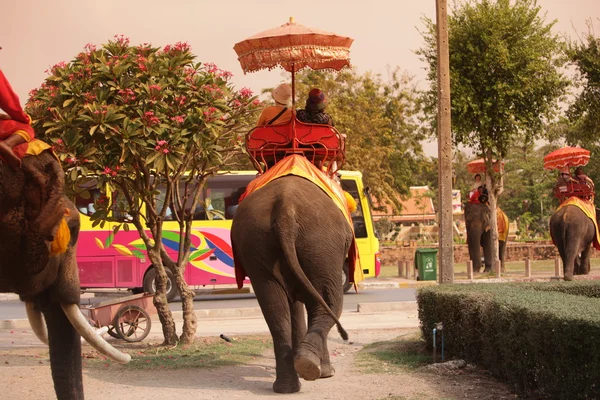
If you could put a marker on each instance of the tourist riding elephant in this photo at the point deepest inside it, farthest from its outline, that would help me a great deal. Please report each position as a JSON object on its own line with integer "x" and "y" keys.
{"x": 573, "y": 232}
{"x": 292, "y": 239}
{"x": 38, "y": 236}
{"x": 477, "y": 222}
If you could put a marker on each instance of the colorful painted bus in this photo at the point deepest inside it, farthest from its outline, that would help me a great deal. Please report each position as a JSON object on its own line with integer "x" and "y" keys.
{"x": 119, "y": 261}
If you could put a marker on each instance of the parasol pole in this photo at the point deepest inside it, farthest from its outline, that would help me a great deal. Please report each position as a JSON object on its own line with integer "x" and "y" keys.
{"x": 293, "y": 87}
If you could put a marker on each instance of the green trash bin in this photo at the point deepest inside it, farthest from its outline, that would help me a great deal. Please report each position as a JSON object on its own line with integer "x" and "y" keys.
{"x": 426, "y": 264}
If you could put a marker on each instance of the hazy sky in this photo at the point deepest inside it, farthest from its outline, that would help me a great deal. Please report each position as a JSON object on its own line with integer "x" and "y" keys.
{"x": 36, "y": 34}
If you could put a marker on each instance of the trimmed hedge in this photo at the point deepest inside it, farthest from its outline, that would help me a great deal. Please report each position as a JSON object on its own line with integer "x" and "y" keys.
{"x": 541, "y": 337}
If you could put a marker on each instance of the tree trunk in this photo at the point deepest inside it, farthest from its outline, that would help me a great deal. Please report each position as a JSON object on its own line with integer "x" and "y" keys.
{"x": 190, "y": 322}
{"x": 493, "y": 221}
{"x": 160, "y": 302}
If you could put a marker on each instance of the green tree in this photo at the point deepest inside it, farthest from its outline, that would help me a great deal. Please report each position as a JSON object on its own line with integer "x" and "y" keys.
{"x": 528, "y": 187}
{"x": 583, "y": 115}
{"x": 380, "y": 118}
{"x": 505, "y": 79}
{"x": 140, "y": 119}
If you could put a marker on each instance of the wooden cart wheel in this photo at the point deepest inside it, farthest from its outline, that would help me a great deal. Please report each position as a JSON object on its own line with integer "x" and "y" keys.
{"x": 132, "y": 323}
{"x": 112, "y": 332}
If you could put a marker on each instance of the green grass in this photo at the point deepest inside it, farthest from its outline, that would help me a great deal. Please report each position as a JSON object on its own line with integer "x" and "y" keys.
{"x": 204, "y": 353}
{"x": 407, "y": 352}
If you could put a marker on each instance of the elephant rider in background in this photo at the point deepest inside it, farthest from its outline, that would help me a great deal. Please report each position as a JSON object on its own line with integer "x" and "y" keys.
{"x": 476, "y": 183}
{"x": 15, "y": 125}
{"x": 280, "y": 113}
{"x": 581, "y": 177}
{"x": 480, "y": 196}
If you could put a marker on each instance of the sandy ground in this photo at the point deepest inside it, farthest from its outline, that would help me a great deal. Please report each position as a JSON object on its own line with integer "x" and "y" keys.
{"x": 25, "y": 374}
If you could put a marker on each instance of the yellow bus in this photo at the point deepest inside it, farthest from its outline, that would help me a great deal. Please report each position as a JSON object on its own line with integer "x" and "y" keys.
{"x": 119, "y": 261}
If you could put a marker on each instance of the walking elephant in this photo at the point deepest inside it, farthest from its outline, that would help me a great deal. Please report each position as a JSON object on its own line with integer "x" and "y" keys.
{"x": 292, "y": 239}
{"x": 477, "y": 222}
{"x": 573, "y": 233}
{"x": 38, "y": 236}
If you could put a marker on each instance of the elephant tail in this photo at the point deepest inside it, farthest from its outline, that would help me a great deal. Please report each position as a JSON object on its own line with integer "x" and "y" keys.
{"x": 287, "y": 239}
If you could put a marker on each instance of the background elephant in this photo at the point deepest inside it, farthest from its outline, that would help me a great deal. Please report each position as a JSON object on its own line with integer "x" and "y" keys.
{"x": 32, "y": 208}
{"x": 292, "y": 240}
{"x": 477, "y": 222}
{"x": 572, "y": 232}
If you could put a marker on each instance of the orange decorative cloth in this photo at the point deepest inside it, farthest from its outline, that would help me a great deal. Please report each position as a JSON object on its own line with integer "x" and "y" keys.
{"x": 589, "y": 209}
{"x": 299, "y": 166}
{"x": 502, "y": 224}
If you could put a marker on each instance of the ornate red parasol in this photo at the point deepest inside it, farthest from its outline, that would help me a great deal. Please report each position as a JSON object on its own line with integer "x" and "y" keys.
{"x": 566, "y": 157}
{"x": 478, "y": 166}
{"x": 293, "y": 46}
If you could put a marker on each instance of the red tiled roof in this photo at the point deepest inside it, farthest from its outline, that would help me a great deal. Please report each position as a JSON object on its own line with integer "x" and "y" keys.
{"x": 417, "y": 206}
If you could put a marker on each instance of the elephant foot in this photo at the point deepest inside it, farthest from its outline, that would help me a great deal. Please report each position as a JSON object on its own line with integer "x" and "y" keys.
{"x": 307, "y": 365}
{"x": 327, "y": 371}
{"x": 568, "y": 277}
{"x": 287, "y": 385}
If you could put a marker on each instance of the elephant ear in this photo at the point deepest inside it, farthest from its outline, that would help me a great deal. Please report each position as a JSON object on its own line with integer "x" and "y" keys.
{"x": 36, "y": 211}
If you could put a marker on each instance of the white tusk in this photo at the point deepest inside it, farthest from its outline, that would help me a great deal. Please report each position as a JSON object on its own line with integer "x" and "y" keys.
{"x": 36, "y": 320}
{"x": 86, "y": 331}
{"x": 99, "y": 332}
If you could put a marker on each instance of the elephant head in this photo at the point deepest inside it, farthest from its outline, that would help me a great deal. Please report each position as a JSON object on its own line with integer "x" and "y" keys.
{"x": 292, "y": 240}
{"x": 33, "y": 214}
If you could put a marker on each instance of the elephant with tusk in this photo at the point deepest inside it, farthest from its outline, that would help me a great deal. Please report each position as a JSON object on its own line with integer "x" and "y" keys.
{"x": 39, "y": 227}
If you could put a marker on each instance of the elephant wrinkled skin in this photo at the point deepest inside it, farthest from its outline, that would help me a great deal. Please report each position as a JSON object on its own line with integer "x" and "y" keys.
{"x": 477, "y": 223}
{"x": 572, "y": 232}
{"x": 292, "y": 240}
{"x": 32, "y": 206}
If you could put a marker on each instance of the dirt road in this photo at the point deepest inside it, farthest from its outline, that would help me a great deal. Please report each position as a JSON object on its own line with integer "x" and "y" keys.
{"x": 25, "y": 374}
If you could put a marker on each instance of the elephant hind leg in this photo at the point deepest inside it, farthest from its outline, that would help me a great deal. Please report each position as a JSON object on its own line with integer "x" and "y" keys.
{"x": 276, "y": 309}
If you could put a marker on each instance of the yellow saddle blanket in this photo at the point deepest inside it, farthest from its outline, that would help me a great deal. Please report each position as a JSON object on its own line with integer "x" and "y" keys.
{"x": 589, "y": 209}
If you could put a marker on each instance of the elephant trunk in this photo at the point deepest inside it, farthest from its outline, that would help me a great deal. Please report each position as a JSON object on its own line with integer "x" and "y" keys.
{"x": 86, "y": 331}
{"x": 37, "y": 322}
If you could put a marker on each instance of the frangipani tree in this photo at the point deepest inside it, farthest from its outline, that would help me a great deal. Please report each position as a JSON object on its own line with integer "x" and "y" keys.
{"x": 136, "y": 118}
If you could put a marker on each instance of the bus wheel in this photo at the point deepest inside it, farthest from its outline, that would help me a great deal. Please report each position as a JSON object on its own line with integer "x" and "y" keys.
{"x": 150, "y": 285}
{"x": 346, "y": 278}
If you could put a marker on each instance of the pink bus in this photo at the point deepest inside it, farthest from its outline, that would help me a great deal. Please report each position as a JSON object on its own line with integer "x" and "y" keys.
{"x": 119, "y": 261}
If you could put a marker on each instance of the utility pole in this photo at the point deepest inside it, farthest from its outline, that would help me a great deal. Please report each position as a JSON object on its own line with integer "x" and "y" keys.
{"x": 446, "y": 243}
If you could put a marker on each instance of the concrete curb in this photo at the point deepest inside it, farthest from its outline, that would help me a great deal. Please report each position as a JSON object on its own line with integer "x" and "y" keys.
{"x": 387, "y": 306}
{"x": 245, "y": 312}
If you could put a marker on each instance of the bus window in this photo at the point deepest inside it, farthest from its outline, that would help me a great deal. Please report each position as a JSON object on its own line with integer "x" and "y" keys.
{"x": 87, "y": 194}
{"x": 221, "y": 193}
{"x": 358, "y": 218}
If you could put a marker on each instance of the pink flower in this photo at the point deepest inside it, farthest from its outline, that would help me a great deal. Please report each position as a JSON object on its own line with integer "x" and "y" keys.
{"x": 161, "y": 142}
{"x": 178, "y": 118}
{"x": 107, "y": 171}
{"x": 154, "y": 87}
{"x": 236, "y": 103}
{"x": 245, "y": 92}
{"x": 90, "y": 47}
{"x": 255, "y": 102}
{"x": 225, "y": 74}
{"x": 165, "y": 151}
{"x": 122, "y": 39}
{"x": 211, "y": 68}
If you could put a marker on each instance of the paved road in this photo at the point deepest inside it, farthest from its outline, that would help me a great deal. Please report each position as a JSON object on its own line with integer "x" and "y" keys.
{"x": 16, "y": 310}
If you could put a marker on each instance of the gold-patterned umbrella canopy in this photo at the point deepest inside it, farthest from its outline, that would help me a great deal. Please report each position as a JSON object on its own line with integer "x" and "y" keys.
{"x": 293, "y": 46}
